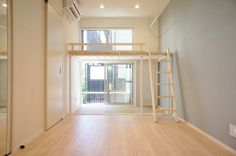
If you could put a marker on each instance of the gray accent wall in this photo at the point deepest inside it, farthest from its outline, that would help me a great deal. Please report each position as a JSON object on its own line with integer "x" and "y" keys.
{"x": 202, "y": 33}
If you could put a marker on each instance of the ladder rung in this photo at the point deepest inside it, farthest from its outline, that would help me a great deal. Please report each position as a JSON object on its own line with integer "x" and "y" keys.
{"x": 163, "y": 61}
{"x": 164, "y": 109}
{"x": 165, "y": 72}
{"x": 162, "y": 58}
{"x": 159, "y": 97}
{"x": 164, "y": 84}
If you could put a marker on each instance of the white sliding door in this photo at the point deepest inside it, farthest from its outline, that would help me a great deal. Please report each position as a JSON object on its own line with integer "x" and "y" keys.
{"x": 54, "y": 61}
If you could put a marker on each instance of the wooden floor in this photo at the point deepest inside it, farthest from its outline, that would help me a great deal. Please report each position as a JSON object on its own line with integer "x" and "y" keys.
{"x": 121, "y": 135}
{"x": 110, "y": 109}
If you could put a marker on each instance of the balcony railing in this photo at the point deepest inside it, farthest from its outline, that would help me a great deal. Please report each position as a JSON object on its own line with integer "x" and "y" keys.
{"x": 92, "y": 97}
{"x": 99, "y": 97}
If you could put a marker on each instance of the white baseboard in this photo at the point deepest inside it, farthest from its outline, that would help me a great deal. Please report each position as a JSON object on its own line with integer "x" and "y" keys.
{"x": 226, "y": 147}
{"x": 27, "y": 141}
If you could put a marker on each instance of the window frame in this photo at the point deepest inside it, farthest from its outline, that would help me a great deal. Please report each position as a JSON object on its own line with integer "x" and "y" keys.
{"x": 105, "y": 28}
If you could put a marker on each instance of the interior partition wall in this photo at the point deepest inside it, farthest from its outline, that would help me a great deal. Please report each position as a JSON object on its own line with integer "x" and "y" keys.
{"x": 54, "y": 66}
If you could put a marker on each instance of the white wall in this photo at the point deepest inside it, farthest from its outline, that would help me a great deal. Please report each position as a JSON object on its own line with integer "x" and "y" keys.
{"x": 75, "y": 84}
{"x": 28, "y": 114}
{"x": 58, "y": 5}
{"x": 202, "y": 33}
{"x": 140, "y": 27}
{"x": 54, "y": 64}
{"x": 145, "y": 84}
{"x": 28, "y": 70}
{"x": 72, "y": 34}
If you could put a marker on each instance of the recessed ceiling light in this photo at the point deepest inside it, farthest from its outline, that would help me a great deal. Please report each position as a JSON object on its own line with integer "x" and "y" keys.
{"x": 4, "y": 5}
{"x": 137, "y": 6}
{"x": 101, "y": 6}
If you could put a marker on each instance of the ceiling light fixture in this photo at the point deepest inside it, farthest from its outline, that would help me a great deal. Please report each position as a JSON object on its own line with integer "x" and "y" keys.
{"x": 137, "y": 6}
{"x": 4, "y": 5}
{"x": 101, "y": 6}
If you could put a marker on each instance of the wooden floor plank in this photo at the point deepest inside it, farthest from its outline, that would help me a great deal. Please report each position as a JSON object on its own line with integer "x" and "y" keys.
{"x": 121, "y": 135}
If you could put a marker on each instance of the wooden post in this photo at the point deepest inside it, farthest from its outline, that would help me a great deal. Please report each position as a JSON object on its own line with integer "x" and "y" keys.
{"x": 168, "y": 87}
{"x": 171, "y": 71}
{"x": 141, "y": 84}
{"x": 156, "y": 82}
{"x": 152, "y": 88}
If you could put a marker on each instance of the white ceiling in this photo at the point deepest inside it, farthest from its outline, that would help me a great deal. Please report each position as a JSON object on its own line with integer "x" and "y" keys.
{"x": 121, "y": 8}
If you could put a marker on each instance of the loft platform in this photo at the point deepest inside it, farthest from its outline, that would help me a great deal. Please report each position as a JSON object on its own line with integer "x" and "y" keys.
{"x": 110, "y": 49}
{"x": 112, "y": 53}
{"x": 129, "y": 51}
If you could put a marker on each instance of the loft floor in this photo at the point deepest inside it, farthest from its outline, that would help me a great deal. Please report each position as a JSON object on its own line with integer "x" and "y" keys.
{"x": 121, "y": 135}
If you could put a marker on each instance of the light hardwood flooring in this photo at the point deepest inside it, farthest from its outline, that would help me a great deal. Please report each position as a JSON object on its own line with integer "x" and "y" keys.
{"x": 121, "y": 135}
{"x": 110, "y": 109}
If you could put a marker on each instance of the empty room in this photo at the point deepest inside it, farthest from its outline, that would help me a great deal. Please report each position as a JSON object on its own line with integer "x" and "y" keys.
{"x": 117, "y": 78}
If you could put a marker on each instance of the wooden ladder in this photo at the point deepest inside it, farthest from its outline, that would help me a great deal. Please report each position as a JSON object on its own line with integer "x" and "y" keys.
{"x": 171, "y": 109}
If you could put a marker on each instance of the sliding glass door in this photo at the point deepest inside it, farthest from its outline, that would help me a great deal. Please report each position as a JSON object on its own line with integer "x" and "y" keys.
{"x": 93, "y": 83}
{"x": 107, "y": 83}
{"x": 120, "y": 83}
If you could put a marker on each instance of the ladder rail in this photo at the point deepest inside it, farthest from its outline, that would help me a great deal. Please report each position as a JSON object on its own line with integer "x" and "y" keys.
{"x": 152, "y": 87}
{"x": 171, "y": 107}
{"x": 141, "y": 84}
{"x": 172, "y": 88}
{"x": 156, "y": 81}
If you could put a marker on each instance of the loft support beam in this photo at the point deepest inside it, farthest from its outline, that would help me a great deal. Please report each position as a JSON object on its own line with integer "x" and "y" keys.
{"x": 106, "y": 44}
{"x": 77, "y": 49}
{"x": 112, "y": 53}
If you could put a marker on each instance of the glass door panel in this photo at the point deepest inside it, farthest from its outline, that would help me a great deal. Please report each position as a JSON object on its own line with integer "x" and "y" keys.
{"x": 93, "y": 79}
{"x": 120, "y": 83}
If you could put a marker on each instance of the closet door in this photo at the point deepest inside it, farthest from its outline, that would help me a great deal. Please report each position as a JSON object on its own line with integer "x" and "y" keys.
{"x": 54, "y": 60}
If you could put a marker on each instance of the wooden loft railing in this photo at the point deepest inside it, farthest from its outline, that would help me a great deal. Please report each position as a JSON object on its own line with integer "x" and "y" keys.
{"x": 76, "y": 49}
{"x": 109, "y": 44}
